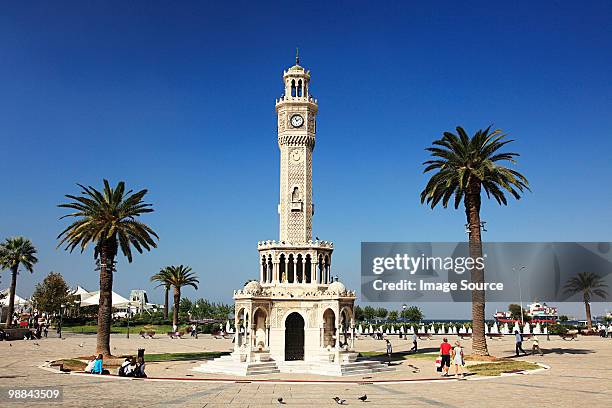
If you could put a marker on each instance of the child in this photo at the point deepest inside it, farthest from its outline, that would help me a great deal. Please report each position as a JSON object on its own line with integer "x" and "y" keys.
{"x": 536, "y": 346}
{"x": 90, "y": 365}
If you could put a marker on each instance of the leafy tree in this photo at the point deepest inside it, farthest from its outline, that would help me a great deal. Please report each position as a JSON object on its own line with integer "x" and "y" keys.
{"x": 369, "y": 313}
{"x": 381, "y": 312}
{"x": 515, "y": 311}
{"x": 185, "y": 306}
{"x": 108, "y": 219}
{"x": 563, "y": 318}
{"x": 464, "y": 167}
{"x": 51, "y": 293}
{"x": 412, "y": 314}
{"x": 162, "y": 278}
{"x": 393, "y": 315}
{"x": 589, "y": 284}
{"x": 180, "y": 276}
{"x": 15, "y": 252}
{"x": 359, "y": 316}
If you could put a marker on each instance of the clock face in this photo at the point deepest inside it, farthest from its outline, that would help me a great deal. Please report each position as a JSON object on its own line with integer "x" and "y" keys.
{"x": 297, "y": 121}
{"x": 296, "y": 155}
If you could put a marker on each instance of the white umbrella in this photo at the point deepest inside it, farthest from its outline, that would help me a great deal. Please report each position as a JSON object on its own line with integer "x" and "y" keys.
{"x": 117, "y": 300}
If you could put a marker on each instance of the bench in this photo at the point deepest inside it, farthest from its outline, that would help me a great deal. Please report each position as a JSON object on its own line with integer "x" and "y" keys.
{"x": 147, "y": 335}
{"x": 175, "y": 335}
{"x": 495, "y": 335}
{"x": 464, "y": 336}
{"x": 569, "y": 336}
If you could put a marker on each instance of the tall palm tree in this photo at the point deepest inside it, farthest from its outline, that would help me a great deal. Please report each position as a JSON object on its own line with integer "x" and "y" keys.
{"x": 107, "y": 219}
{"x": 180, "y": 276}
{"x": 13, "y": 253}
{"x": 589, "y": 284}
{"x": 163, "y": 278}
{"x": 464, "y": 167}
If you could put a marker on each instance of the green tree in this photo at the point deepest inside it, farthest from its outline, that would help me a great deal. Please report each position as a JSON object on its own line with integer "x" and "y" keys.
{"x": 381, "y": 312}
{"x": 185, "y": 306}
{"x": 16, "y": 252}
{"x": 358, "y": 313}
{"x": 588, "y": 284}
{"x": 180, "y": 276}
{"x": 464, "y": 167}
{"x": 162, "y": 278}
{"x": 108, "y": 219}
{"x": 393, "y": 315}
{"x": 412, "y": 314}
{"x": 51, "y": 293}
{"x": 563, "y": 318}
{"x": 369, "y": 313}
{"x": 515, "y": 311}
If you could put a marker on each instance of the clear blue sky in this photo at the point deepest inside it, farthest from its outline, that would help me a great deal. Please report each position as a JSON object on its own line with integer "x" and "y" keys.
{"x": 179, "y": 98}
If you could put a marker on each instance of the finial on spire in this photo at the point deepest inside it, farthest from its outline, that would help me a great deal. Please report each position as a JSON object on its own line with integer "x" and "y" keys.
{"x": 297, "y": 56}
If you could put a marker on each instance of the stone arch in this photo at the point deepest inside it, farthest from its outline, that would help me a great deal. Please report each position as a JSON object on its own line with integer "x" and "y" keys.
{"x": 299, "y": 268}
{"x": 293, "y": 89}
{"x": 326, "y": 269}
{"x": 264, "y": 269}
{"x": 282, "y": 268}
{"x": 346, "y": 317}
{"x": 308, "y": 269}
{"x": 329, "y": 328}
{"x": 270, "y": 269}
{"x": 294, "y": 324}
{"x": 320, "y": 277}
{"x": 260, "y": 322}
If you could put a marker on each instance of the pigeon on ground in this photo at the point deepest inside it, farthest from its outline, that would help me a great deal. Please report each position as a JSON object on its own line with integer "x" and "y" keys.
{"x": 339, "y": 401}
{"x": 36, "y": 344}
{"x": 280, "y": 400}
{"x": 363, "y": 398}
{"x": 81, "y": 345}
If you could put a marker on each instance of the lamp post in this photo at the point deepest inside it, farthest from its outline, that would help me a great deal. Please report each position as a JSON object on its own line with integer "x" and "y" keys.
{"x": 129, "y": 312}
{"x": 62, "y": 306}
{"x": 518, "y": 270}
{"x": 197, "y": 318}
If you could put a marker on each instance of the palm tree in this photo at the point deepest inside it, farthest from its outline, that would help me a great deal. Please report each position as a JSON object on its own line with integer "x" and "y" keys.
{"x": 14, "y": 252}
{"x": 180, "y": 276}
{"x": 589, "y": 284}
{"x": 464, "y": 167}
{"x": 162, "y": 277}
{"x": 109, "y": 220}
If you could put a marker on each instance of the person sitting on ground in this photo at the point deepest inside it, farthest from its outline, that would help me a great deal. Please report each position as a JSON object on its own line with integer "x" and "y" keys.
{"x": 97, "y": 368}
{"x": 140, "y": 369}
{"x": 121, "y": 372}
{"x": 90, "y": 364}
{"x": 445, "y": 349}
{"x": 536, "y": 346}
{"x": 130, "y": 369}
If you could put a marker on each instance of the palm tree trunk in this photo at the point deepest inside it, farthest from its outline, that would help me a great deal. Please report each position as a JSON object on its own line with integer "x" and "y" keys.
{"x": 166, "y": 303}
{"x": 587, "y": 309}
{"x": 11, "y": 305}
{"x": 105, "y": 309}
{"x": 177, "y": 302}
{"x": 472, "y": 212}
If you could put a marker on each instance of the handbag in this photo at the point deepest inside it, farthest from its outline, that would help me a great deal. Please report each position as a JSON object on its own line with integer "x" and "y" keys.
{"x": 438, "y": 364}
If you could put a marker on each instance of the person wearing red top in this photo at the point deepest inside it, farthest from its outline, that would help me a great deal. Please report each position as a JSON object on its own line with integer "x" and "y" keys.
{"x": 445, "y": 349}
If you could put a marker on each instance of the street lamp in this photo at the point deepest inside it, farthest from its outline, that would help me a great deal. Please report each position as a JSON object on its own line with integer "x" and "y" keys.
{"x": 62, "y": 306}
{"x": 129, "y": 312}
{"x": 518, "y": 270}
{"x": 197, "y": 318}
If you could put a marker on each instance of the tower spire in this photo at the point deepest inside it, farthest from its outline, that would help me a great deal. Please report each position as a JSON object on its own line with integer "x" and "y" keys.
{"x": 297, "y": 56}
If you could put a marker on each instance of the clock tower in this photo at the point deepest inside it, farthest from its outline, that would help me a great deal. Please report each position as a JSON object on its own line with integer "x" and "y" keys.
{"x": 296, "y": 110}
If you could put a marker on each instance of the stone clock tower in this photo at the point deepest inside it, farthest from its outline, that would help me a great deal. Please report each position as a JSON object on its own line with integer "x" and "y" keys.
{"x": 297, "y": 111}
{"x": 295, "y": 317}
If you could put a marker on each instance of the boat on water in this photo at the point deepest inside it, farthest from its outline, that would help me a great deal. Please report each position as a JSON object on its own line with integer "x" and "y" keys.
{"x": 536, "y": 313}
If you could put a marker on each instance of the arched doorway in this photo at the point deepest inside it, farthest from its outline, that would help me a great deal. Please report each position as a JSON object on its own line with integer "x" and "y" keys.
{"x": 294, "y": 337}
{"x": 329, "y": 328}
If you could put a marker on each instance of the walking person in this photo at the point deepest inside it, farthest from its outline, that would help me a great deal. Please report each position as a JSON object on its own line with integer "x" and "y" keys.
{"x": 389, "y": 350}
{"x": 536, "y": 346}
{"x": 414, "y": 343}
{"x": 518, "y": 338}
{"x": 458, "y": 359}
{"x": 445, "y": 350}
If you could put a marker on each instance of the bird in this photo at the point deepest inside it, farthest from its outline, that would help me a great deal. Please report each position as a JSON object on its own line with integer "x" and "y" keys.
{"x": 363, "y": 398}
{"x": 339, "y": 401}
{"x": 10, "y": 345}
{"x": 36, "y": 344}
{"x": 280, "y": 400}
{"x": 317, "y": 238}
{"x": 81, "y": 345}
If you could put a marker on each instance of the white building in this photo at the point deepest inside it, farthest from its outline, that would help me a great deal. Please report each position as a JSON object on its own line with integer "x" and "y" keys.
{"x": 295, "y": 318}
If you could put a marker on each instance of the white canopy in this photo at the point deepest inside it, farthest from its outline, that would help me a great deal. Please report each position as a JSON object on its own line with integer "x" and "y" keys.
{"x": 5, "y": 301}
{"x": 94, "y": 299}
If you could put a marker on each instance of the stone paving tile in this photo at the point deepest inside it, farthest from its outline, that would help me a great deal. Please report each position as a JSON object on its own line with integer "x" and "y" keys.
{"x": 580, "y": 376}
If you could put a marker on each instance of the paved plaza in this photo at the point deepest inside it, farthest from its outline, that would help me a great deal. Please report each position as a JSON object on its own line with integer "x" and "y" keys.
{"x": 579, "y": 375}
